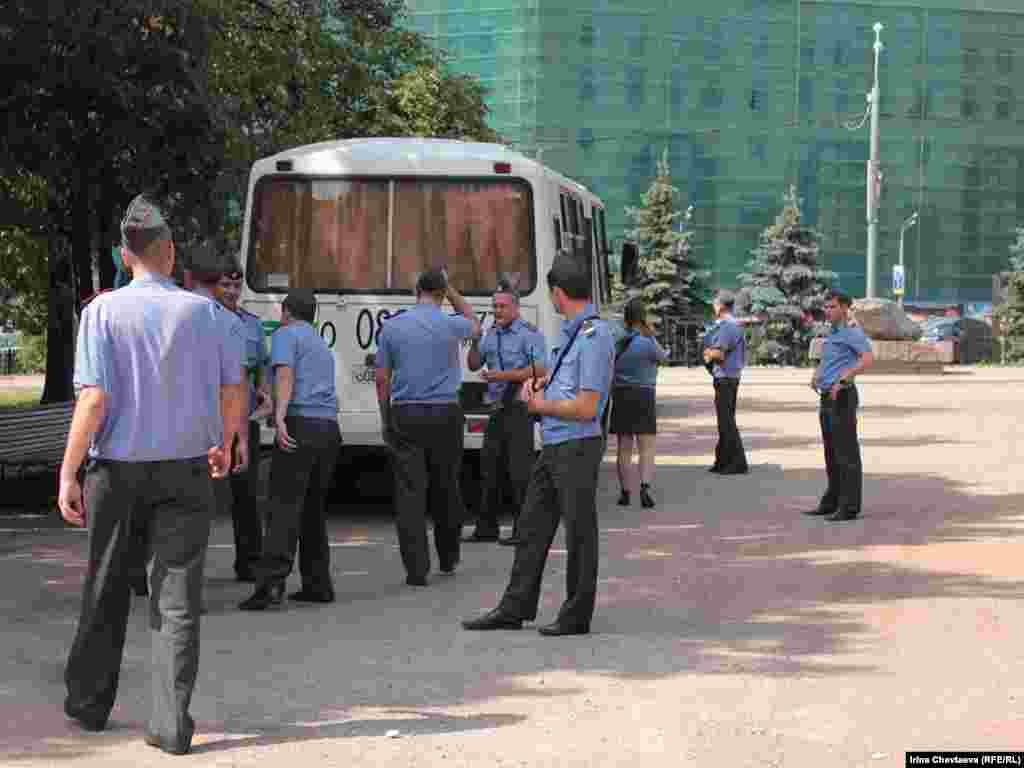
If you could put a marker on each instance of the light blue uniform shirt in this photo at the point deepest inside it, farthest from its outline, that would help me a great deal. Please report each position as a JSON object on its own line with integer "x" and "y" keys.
{"x": 587, "y": 365}
{"x": 728, "y": 336}
{"x": 161, "y": 355}
{"x": 256, "y": 356}
{"x": 843, "y": 348}
{"x": 421, "y": 347}
{"x": 638, "y": 365}
{"x": 301, "y": 348}
{"x": 505, "y": 349}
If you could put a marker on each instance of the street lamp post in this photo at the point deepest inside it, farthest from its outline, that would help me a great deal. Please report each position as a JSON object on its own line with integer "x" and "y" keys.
{"x": 873, "y": 176}
{"x": 910, "y": 221}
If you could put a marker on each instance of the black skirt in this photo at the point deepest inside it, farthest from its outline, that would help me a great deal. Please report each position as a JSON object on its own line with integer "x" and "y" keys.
{"x": 633, "y": 411}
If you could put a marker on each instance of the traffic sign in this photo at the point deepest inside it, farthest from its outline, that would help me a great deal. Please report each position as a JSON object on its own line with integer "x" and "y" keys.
{"x": 897, "y": 280}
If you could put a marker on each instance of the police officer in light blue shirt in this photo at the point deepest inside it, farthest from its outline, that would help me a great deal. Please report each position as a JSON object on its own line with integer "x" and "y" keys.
{"x": 154, "y": 368}
{"x": 846, "y": 353}
{"x": 304, "y": 459}
{"x": 633, "y": 410}
{"x": 419, "y": 371}
{"x": 511, "y": 352}
{"x": 726, "y": 353}
{"x": 563, "y": 485}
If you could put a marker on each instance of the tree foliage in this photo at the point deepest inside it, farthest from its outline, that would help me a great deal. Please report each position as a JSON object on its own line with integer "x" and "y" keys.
{"x": 1011, "y": 314}
{"x": 668, "y": 277}
{"x": 784, "y": 284}
{"x": 179, "y": 98}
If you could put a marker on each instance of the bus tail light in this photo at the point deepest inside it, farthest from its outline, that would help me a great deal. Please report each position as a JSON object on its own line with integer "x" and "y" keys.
{"x": 503, "y": 167}
{"x": 476, "y": 426}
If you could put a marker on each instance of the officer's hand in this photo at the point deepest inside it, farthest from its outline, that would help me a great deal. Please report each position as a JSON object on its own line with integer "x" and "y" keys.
{"x": 219, "y": 461}
{"x": 284, "y": 440}
{"x": 69, "y": 499}
{"x": 488, "y": 375}
{"x": 535, "y": 401}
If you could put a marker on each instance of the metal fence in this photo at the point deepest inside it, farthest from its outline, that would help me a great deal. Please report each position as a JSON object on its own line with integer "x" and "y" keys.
{"x": 8, "y": 361}
{"x": 684, "y": 341}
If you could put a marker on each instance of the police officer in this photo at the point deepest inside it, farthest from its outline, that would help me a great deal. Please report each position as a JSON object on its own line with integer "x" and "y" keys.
{"x": 511, "y": 352}
{"x": 304, "y": 459}
{"x": 245, "y": 515}
{"x": 726, "y": 353}
{"x": 419, "y": 371}
{"x": 847, "y": 352}
{"x": 208, "y": 264}
{"x": 161, "y": 401}
{"x": 563, "y": 484}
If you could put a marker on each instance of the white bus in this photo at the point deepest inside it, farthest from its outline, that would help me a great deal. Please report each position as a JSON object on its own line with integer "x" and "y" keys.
{"x": 358, "y": 220}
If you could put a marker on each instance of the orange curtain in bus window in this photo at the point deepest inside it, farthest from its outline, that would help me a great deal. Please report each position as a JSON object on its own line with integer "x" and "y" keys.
{"x": 348, "y": 240}
{"x": 476, "y": 229}
{"x": 279, "y": 233}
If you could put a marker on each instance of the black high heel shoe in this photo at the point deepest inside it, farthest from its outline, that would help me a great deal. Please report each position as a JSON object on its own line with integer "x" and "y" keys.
{"x": 645, "y": 496}
{"x": 624, "y": 498}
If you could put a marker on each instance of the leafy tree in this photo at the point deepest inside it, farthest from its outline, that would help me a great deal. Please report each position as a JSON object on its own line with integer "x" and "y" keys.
{"x": 784, "y": 283}
{"x": 23, "y": 276}
{"x": 669, "y": 280}
{"x": 1011, "y": 314}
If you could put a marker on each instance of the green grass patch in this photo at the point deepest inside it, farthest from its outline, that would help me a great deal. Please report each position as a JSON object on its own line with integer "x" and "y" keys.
{"x": 19, "y": 398}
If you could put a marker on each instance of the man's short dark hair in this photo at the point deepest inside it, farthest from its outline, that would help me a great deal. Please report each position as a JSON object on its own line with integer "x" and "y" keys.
{"x": 301, "y": 303}
{"x": 566, "y": 273}
{"x": 432, "y": 281}
{"x": 843, "y": 298}
{"x": 727, "y": 299}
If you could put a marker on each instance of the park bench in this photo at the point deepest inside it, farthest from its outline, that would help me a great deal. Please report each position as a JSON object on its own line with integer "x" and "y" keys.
{"x": 34, "y": 436}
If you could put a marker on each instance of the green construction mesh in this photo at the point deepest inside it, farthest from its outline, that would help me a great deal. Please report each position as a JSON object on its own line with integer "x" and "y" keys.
{"x": 749, "y": 96}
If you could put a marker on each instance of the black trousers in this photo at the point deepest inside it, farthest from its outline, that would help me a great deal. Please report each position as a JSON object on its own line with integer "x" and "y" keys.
{"x": 245, "y": 511}
{"x": 507, "y": 452}
{"x": 729, "y": 453}
{"x": 296, "y": 514}
{"x": 426, "y": 441}
{"x": 842, "y": 452}
{"x": 563, "y": 487}
{"x": 171, "y": 502}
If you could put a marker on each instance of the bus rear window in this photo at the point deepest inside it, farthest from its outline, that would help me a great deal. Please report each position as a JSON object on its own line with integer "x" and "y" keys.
{"x": 332, "y": 235}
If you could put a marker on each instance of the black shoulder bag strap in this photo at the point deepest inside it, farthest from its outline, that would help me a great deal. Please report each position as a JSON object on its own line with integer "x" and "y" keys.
{"x": 563, "y": 352}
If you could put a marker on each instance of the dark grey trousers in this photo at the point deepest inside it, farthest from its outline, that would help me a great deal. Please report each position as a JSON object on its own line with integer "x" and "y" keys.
{"x": 296, "y": 509}
{"x": 842, "y": 452}
{"x": 507, "y": 453}
{"x": 729, "y": 453}
{"x": 563, "y": 486}
{"x": 426, "y": 441}
{"x": 172, "y": 503}
{"x": 245, "y": 512}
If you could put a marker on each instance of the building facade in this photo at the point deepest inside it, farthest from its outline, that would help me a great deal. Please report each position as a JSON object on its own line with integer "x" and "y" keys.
{"x": 751, "y": 96}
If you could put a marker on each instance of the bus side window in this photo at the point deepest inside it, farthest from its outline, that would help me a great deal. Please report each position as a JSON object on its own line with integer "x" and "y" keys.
{"x": 558, "y": 235}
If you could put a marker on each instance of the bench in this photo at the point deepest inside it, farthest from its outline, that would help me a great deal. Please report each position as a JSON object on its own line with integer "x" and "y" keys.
{"x": 34, "y": 436}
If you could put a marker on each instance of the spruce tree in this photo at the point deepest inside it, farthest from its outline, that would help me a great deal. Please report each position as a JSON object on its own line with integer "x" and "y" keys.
{"x": 1011, "y": 314}
{"x": 784, "y": 283}
{"x": 667, "y": 274}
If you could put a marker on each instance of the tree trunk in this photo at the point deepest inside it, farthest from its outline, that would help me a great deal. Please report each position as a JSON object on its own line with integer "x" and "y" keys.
{"x": 58, "y": 387}
{"x": 109, "y": 236}
{"x": 81, "y": 235}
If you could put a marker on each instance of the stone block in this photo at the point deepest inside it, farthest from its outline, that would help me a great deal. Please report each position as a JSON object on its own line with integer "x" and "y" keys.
{"x": 884, "y": 319}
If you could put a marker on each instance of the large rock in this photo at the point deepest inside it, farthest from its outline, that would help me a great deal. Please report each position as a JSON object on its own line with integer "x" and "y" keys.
{"x": 884, "y": 319}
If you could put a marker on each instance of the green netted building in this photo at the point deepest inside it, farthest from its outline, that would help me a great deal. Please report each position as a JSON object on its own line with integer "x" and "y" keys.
{"x": 749, "y": 96}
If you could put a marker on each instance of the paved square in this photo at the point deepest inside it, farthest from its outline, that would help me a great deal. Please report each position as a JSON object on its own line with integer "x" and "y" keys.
{"x": 730, "y": 629}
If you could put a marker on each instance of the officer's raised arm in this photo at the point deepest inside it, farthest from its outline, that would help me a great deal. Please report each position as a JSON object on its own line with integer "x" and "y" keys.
{"x": 463, "y": 308}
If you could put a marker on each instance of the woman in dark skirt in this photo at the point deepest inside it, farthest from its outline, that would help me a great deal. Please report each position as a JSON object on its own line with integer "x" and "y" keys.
{"x": 633, "y": 420}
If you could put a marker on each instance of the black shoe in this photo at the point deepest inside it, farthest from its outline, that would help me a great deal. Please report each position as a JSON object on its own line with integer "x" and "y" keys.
{"x": 154, "y": 741}
{"x": 624, "y": 498}
{"x": 265, "y": 596}
{"x": 559, "y": 628}
{"x": 496, "y": 619}
{"x": 311, "y": 596}
{"x": 819, "y": 512}
{"x": 510, "y": 541}
{"x": 714, "y": 468}
{"x": 841, "y": 516}
{"x": 87, "y": 721}
{"x": 450, "y": 567}
{"x": 416, "y": 581}
{"x": 645, "y": 497}
{"x": 476, "y": 536}
{"x": 744, "y": 471}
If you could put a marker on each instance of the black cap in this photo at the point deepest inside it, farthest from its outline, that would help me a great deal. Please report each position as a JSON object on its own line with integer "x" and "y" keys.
{"x": 301, "y": 302}
{"x": 144, "y": 222}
